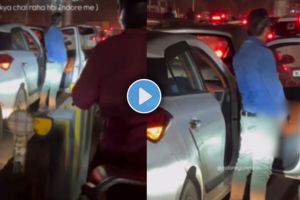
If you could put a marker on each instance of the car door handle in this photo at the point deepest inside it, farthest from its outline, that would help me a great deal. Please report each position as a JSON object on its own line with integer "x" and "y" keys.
{"x": 195, "y": 123}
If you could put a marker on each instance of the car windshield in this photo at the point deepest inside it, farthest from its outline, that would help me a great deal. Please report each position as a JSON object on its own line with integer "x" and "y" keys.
{"x": 5, "y": 41}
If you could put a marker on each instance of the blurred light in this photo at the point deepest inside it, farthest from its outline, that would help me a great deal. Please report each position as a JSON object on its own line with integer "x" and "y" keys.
{"x": 219, "y": 53}
{"x": 285, "y": 68}
{"x": 5, "y": 62}
{"x": 244, "y": 22}
{"x": 198, "y": 16}
{"x": 217, "y": 17}
{"x": 271, "y": 36}
{"x": 154, "y": 133}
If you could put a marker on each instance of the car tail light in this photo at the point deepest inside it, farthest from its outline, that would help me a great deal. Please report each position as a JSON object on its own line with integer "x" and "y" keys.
{"x": 244, "y": 22}
{"x": 219, "y": 53}
{"x": 216, "y": 18}
{"x": 271, "y": 36}
{"x": 285, "y": 68}
{"x": 157, "y": 123}
{"x": 5, "y": 62}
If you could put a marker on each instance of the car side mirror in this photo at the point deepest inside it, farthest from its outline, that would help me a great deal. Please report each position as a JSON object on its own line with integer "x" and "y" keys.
{"x": 287, "y": 59}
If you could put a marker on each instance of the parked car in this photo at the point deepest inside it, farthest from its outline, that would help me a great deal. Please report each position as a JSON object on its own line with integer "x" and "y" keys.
{"x": 22, "y": 68}
{"x": 80, "y": 41}
{"x": 224, "y": 40}
{"x": 287, "y": 26}
{"x": 194, "y": 134}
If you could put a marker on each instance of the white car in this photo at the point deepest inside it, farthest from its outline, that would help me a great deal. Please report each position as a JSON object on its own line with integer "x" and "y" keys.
{"x": 22, "y": 68}
{"x": 193, "y": 135}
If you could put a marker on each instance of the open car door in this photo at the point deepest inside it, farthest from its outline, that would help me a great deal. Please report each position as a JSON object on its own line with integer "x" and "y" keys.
{"x": 286, "y": 51}
{"x": 75, "y": 56}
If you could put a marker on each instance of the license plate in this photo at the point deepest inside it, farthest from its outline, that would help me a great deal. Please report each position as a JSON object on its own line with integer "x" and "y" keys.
{"x": 290, "y": 26}
{"x": 296, "y": 73}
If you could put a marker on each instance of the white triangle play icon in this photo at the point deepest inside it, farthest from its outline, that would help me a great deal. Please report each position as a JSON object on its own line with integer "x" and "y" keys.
{"x": 143, "y": 96}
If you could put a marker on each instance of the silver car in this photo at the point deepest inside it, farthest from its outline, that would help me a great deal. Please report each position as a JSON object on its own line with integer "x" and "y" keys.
{"x": 193, "y": 136}
{"x": 22, "y": 68}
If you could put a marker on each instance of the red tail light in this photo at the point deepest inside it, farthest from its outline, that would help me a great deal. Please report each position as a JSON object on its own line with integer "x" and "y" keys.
{"x": 157, "y": 123}
{"x": 245, "y": 22}
{"x": 216, "y": 18}
{"x": 285, "y": 68}
{"x": 5, "y": 62}
{"x": 271, "y": 36}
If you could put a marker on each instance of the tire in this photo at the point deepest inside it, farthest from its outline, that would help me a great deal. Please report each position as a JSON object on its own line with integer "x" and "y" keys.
{"x": 190, "y": 192}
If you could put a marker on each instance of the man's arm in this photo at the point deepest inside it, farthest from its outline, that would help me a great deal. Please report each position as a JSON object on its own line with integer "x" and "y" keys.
{"x": 86, "y": 90}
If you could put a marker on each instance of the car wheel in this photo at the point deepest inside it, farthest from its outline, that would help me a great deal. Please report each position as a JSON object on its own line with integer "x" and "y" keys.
{"x": 21, "y": 100}
{"x": 190, "y": 191}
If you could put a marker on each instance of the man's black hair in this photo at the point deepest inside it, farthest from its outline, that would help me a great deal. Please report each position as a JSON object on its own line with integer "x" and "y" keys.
{"x": 56, "y": 18}
{"x": 134, "y": 13}
{"x": 258, "y": 20}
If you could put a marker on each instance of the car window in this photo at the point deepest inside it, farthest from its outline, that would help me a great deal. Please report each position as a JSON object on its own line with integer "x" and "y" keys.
{"x": 176, "y": 76}
{"x": 39, "y": 34}
{"x": 212, "y": 77}
{"x": 70, "y": 41}
{"x": 218, "y": 44}
{"x": 288, "y": 63}
{"x": 86, "y": 31}
{"x": 31, "y": 43}
{"x": 18, "y": 41}
{"x": 5, "y": 41}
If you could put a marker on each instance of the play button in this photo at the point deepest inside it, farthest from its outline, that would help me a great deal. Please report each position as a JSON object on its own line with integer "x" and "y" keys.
{"x": 143, "y": 96}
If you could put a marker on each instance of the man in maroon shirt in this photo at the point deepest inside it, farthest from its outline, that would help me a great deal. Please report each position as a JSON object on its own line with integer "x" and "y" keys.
{"x": 115, "y": 64}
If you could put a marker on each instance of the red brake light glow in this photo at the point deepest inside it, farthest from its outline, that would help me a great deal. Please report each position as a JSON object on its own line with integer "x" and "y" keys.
{"x": 285, "y": 68}
{"x": 157, "y": 123}
{"x": 271, "y": 36}
{"x": 216, "y": 17}
{"x": 5, "y": 62}
{"x": 244, "y": 22}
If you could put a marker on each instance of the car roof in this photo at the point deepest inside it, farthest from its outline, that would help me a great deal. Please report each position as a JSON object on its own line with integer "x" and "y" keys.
{"x": 287, "y": 19}
{"x": 158, "y": 42}
{"x": 7, "y": 28}
{"x": 236, "y": 33}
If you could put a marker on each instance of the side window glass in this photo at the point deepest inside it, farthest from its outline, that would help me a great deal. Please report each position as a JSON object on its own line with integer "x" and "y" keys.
{"x": 32, "y": 45}
{"x": 70, "y": 41}
{"x": 182, "y": 77}
{"x": 18, "y": 42}
{"x": 213, "y": 79}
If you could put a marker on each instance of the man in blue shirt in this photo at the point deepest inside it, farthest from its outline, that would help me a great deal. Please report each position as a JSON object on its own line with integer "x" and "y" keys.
{"x": 263, "y": 108}
{"x": 56, "y": 61}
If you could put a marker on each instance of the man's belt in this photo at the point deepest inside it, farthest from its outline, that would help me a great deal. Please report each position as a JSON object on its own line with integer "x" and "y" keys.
{"x": 248, "y": 114}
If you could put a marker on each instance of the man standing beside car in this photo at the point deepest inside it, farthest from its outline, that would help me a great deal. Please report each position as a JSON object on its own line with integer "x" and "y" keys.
{"x": 264, "y": 109}
{"x": 56, "y": 61}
